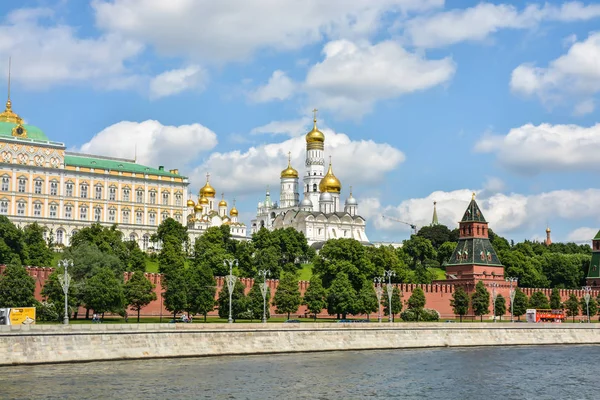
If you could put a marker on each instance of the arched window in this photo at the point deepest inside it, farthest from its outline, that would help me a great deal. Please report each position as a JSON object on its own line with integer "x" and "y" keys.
{"x": 83, "y": 190}
{"x": 5, "y": 183}
{"x": 165, "y": 198}
{"x": 314, "y": 187}
{"x": 112, "y": 214}
{"x": 53, "y": 210}
{"x": 83, "y": 212}
{"x": 132, "y": 237}
{"x": 126, "y": 193}
{"x": 112, "y": 193}
{"x": 152, "y": 218}
{"x": 152, "y": 197}
{"x": 53, "y": 188}
{"x": 139, "y": 217}
{"x": 21, "y": 206}
{"x": 69, "y": 189}
{"x": 125, "y": 216}
{"x": 22, "y": 185}
{"x": 139, "y": 195}
{"x": 145, "y": 241}
{"x": 59, "y": 236}
{"x": 68, "y": 211}
{"x": 98, "y": 195}
{"x": 97, "y": 214}
{"x": 3, "y": 207}
{"x": 37, "y": 186}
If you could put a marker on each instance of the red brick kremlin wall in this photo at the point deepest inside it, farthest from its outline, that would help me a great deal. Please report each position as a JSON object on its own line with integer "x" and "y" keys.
{"x": 437, "y": 295}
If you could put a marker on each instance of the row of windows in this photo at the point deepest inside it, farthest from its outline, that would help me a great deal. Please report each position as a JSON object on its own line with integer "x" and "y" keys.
{"x": 83, "y": 213}
{"x": 84, "y": 191}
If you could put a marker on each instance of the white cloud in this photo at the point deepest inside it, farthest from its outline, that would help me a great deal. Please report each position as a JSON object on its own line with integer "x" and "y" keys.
{"x": 156, "y": 144}
{"x": 259, "y": 166}
{"x": 178, "y": 80}
{"x": 575, "y": 74}
{"x": 46, "y": 54}
{"x": 352, "y": 77}
{"x": 234, "y": 30}
{"x": 290, "y": 128}
{"x": 279, "y": 87}
{"x": 506, "y": 213}
{"x": 478, "y": 22}
{"x": 545, "y": 147}
{"x": 584, "y": 107}
{"x": 582, "y": 235}
{"x": 493, "y": 185}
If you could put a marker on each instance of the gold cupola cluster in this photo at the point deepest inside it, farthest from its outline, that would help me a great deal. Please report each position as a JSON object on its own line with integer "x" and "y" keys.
{"x": 330, "y": 183}
{"x": 315, "y": 139}
{"x": 289, "y": 172}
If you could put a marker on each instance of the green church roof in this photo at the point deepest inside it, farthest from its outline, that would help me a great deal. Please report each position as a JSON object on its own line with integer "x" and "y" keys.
{"x": 86, "y": 161}
{"x": 597, "y": 237}
{"x": 594, "y": 269}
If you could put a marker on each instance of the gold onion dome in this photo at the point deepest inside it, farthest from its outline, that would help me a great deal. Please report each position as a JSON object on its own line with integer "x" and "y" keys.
{"x": 330, "y": 183}
{"x": 233, "y": 212}
{"x": 203, "y": 200}
{"x": 222, "y": 203}
{"x": 8, "y": 115}
{"x": 198, "y": 207}
{"x": 315, "y": 135}
{"x": 190, "y": 203}
{"x": 289, "y": 172}
{"x": 207, "y": 190}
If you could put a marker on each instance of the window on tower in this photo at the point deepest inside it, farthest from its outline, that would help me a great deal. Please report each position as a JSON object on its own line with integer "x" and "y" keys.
{"x": 314, "y": 187}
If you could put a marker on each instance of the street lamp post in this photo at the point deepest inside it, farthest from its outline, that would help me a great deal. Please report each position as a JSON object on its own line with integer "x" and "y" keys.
{"x": 65, "y": 282}
{"x": 230, "y": 279}
{"x": 379, "y": 293}
{"x": 586, "y": 297}
{"x": 263, "y": 291}
{"x": 390, "y": 293}
{"x": 494, "y": 286}
{"x": 512, "y": 296}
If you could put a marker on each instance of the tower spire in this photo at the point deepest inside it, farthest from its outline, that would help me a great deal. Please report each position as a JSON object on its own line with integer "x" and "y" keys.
{"x": 9, "y": 64}
{"x": 8, "y": 115}
{"x": 434, "y": 220}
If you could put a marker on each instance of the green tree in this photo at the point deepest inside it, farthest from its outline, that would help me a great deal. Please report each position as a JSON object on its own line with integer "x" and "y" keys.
{"x": 445, "y": 251}
{"x": 572, "y": 306}
{"x": 416, "y": 302}
{"x": 54, "y": 294}
{"x": 38, "y": 252}
{"x": 341, "y": 296}
{"x": 256, "y": 303}
{"x": 16, "y": 286}
{"x": 538, "y": 300}
{"x": 136, "y": 258}
{"x": 344, "y": 255}
{"x": 592, "y": 305}
{"x": 172, "y": 228}
{"x": 500, "y": 306}
{"x": 239, "y": 301}
{"x": 315, "y": 297}
{"x": 521, "y": 303}
{"x": 139, "y": 292}
{"x": 396, "y": 302}
{"x": 419, "y": 249}
{"x": 201, "y": 289}
{"x": 366, "y": 301}
{"x": 210, "y": 250}
{"x": 171, "y": 259}
{"x": 460, "y": 302}
{"x": 176, "y": 292}
{"x": 108, "y": 240}
{"x": 287, "y": 298}
{"x": 555, "y": 300}
{"x": 480, "y": 300}
{"x": 436, "y": 234}
{"x": 104, "y": 292}
{"x": 11, "y": 242}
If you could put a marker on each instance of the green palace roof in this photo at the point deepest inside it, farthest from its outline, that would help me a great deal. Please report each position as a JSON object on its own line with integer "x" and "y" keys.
{"x": 114, "y": 164}
{"x": 33, "y": 132}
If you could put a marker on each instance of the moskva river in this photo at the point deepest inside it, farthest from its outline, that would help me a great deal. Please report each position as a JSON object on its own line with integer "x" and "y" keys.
{"x": 537, "y": 372}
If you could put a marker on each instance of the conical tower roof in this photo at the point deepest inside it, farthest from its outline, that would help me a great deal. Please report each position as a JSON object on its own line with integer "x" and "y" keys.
{"x": 434, "y": 220}
{"x": 473, "y": 213}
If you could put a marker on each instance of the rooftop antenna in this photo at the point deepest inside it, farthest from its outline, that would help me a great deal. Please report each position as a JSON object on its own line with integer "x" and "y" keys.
{"x": 9, "y": 65}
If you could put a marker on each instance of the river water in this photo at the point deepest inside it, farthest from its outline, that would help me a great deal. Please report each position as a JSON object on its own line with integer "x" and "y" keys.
{"x": 536, "y": 372}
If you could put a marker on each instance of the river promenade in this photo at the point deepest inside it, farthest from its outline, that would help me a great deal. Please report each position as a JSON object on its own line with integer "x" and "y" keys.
{"x": 40, "y": 344}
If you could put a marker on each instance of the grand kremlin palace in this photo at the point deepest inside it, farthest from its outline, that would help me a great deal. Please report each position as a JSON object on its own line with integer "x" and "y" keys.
{"x": 64, "y": 191}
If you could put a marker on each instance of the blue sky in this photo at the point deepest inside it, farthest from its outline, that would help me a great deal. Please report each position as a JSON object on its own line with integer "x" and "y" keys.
{"x": 419, "y": 100}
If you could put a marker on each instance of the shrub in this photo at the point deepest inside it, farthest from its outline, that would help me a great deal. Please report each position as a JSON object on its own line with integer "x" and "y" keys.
{"x": 426, "y": 315}
{"x": 47, "y": 312}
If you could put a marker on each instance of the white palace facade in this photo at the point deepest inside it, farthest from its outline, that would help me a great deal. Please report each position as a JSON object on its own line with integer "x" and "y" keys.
{"x": 320, "y": 215}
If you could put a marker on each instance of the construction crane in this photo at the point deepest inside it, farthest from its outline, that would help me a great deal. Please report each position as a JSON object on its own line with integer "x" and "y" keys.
{"x": 412, "y": 226}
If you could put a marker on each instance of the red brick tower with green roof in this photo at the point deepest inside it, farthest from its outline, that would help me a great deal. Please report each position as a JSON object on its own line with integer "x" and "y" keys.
{"x": 593, "y": 277}
{"x": 474, "y": 258}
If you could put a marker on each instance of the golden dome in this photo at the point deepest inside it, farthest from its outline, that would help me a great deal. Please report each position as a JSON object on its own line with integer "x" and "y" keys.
{"x": 222, "y": 203}
{"x": 207, "y": 190}
{"x": 289, "y": 172}
{"x": 548, "y": 229}
{"x": 198, "y": 208}
{"x": 203, "y": 200}
{"x": 233, "y": 212}
{"x": 315, "y": 135}
{"x": 330, "y": 183}
{"x": 190, "y": 203}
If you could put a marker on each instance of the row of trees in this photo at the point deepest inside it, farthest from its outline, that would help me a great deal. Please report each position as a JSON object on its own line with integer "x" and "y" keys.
{"x": 480, "y": 301}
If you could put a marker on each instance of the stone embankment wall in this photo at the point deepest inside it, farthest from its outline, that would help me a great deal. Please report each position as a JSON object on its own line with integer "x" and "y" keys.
{"x": 437, "y": 296}
{"x": 79, "y": 343}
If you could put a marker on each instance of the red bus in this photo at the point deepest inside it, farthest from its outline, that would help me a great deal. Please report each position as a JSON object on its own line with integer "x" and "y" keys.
{"x": 537, "y": 315}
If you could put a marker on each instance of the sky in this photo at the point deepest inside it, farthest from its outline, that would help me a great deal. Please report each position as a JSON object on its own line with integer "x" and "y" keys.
{"x": 420, "y": 100}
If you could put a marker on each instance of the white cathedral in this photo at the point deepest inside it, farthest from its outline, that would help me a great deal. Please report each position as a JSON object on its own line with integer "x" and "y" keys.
{"x": 319, "y": 215}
